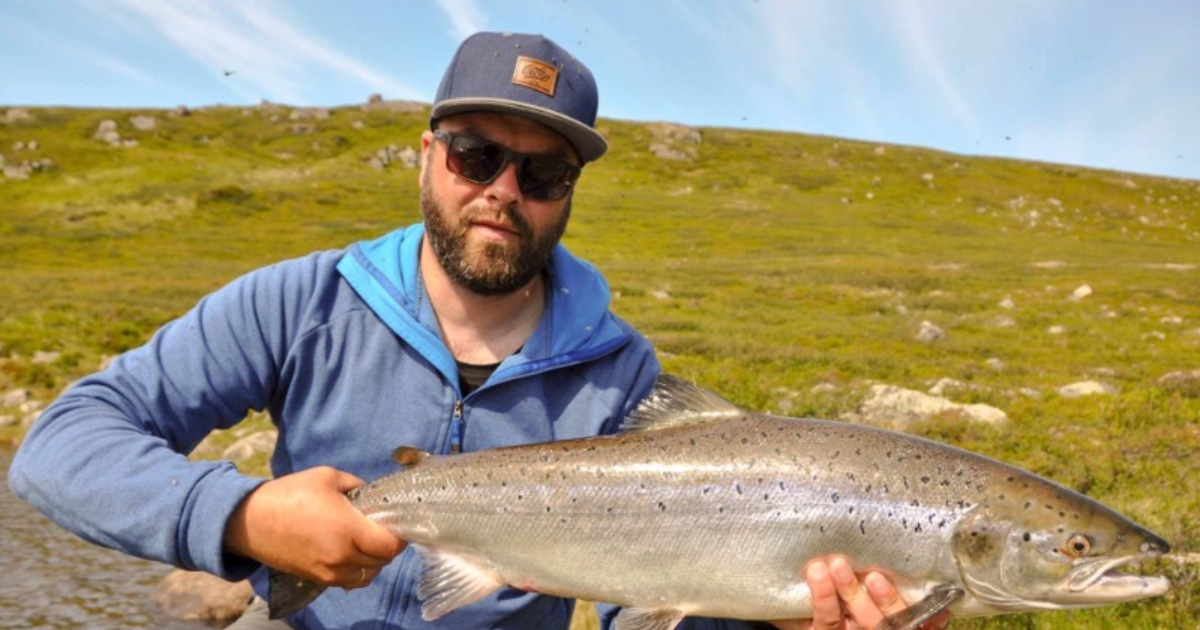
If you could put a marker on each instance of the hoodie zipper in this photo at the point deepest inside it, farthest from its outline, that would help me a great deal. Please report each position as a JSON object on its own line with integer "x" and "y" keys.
{"x": 456, "y": 427}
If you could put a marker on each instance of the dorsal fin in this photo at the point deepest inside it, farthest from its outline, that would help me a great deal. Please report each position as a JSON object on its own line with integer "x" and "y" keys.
{"x": 409, "y": 456}
{"x": 675, "y": 402}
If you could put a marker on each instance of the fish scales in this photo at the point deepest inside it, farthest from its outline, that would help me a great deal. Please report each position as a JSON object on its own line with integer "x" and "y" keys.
{"x": 717, "y": 517}
{"x": 559, "y": 515}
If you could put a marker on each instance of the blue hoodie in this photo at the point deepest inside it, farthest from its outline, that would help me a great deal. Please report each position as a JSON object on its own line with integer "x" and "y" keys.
{"x": 343, "y": 349}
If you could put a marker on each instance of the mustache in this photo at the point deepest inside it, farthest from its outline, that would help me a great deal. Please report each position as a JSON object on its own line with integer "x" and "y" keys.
{"x": 504, "y": 216}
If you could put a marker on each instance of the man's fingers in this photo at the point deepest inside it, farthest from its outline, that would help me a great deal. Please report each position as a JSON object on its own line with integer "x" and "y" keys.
{"x": 883, "y": 594}
{"x": 827, "y": 610}
{"x": 859, "y": 604}
{"x": 377, "y": 544}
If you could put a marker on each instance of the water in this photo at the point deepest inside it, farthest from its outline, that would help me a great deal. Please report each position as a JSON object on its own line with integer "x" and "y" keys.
{"x": 49, "y": 578}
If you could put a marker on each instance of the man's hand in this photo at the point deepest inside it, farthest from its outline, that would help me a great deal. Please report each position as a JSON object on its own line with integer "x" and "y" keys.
{"x": 842, "y": 602}
{"x": 303, "y": 524}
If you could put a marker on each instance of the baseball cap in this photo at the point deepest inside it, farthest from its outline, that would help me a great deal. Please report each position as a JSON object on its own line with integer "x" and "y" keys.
{"x": 528, "y": 76}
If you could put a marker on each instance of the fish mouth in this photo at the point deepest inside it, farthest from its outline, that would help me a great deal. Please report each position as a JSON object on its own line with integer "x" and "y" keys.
{"x": 1100, "y": 581}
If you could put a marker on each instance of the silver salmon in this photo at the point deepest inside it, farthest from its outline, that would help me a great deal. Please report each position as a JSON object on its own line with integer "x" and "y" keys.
{"x": 701, "y": 508}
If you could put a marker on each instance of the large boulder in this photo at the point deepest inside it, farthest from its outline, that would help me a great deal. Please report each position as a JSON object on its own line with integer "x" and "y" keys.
{"x": 197, "y": 596}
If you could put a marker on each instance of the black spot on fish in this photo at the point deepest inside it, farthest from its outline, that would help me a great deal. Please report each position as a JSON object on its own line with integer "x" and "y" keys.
{"x": 662, "y": 507}
{"x": 1028, "y": 504}
{"x": 386, "y": 499}
{"x": 1027, "y": 537}
{"x": 917, "y": 529}
{"x": 834, "y": 497}
{"x": 738, "y": 487}
{"x": 925, "y": 479}
{"x": 862, "y": 527}
{"x": 547, "y": 509}
{"x": 766, "y": 496}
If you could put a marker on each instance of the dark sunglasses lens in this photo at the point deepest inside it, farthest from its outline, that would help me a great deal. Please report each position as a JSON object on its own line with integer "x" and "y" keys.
{"x": 545, "y": 179}
{"x": 474, "y": 159}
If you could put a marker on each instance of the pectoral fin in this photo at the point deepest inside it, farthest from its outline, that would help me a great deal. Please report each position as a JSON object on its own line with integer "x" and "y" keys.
{"x": 449, "y": 582}
{"x": 288, "y": 594}
{"x": 920, "y": 612}
{"x": 647, "y": 619}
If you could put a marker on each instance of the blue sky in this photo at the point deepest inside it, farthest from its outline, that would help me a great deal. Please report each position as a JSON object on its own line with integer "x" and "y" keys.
{"x": 1106, "y": 83}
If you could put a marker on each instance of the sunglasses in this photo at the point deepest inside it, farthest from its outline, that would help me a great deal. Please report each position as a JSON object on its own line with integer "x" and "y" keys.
{"x": 481, "y": 161}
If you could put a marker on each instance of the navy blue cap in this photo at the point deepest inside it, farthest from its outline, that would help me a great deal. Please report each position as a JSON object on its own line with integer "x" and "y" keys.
{"x": 528, "y": 76}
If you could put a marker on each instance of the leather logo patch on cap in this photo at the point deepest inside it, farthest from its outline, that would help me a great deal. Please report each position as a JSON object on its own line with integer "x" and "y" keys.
{"x": 536, "y": 75}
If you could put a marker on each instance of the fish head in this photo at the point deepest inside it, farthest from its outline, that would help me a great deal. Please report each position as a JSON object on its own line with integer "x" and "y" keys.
{"x": 1054, "y": 549}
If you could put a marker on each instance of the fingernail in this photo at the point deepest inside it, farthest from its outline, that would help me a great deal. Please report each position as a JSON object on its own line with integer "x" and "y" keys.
{"x": 878, "y": 586}
{"x": 841, "y": 571}
{"x": 817, "y": 570}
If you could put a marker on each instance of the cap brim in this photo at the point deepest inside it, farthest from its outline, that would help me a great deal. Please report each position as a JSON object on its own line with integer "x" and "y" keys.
{"x": 587, "y": 141}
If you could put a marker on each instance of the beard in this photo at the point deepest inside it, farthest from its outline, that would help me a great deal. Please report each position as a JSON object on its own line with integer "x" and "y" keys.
{"x": 489, "y": 268}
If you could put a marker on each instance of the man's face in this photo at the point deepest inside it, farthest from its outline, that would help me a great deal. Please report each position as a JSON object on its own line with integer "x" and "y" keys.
{"x": 491, "y": 238}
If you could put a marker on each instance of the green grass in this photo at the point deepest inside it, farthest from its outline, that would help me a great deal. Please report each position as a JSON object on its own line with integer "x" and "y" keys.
{"x": 767, "y": 264}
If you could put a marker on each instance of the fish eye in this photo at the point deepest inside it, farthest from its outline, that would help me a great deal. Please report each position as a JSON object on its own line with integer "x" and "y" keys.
{"x": 1078, "y": 546}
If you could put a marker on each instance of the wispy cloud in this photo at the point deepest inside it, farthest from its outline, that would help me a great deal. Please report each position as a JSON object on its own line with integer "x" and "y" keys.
{"x": 116, "y": 66}
{"x": 272, "y": 57}
{"x": 466, "y": 17}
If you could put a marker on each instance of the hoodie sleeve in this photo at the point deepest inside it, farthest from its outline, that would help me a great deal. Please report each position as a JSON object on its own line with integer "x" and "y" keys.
{"x": 107, "y": 460}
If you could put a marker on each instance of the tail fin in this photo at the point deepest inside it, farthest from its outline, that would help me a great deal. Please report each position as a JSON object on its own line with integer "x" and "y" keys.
{"x": 288, "y": 594}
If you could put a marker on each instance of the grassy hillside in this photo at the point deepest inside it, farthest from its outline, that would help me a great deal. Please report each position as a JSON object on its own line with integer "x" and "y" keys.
{"x": 761, "y": 264}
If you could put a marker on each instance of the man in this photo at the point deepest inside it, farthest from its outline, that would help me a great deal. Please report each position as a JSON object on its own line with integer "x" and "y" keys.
{"x": 473, "y": 330}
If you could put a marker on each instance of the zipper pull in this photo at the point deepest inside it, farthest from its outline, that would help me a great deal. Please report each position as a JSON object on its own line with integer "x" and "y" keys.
{"x": 456, "y": 428}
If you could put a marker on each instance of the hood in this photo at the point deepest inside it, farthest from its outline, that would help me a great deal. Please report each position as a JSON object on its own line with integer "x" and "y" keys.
{"x": 577, "y": 324}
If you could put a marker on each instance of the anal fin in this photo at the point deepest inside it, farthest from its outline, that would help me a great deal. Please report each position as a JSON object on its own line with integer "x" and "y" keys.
{"x": 288, "y": 594}
{"x": 647, "y": 619}
{"x": 913, "y": 616}
{"x": 449, "y": 583}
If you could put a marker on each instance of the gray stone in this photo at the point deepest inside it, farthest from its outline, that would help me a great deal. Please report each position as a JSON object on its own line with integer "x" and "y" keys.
{"x": 14, "y": 398}
{"x": 1085, "y": 388}
{"x": 929, "y": 332}
{"x": 899, "y": 408}
{"x": 251, "y": 445}
{"x": 144, "y": 123}
{"x": 198, "y": 596}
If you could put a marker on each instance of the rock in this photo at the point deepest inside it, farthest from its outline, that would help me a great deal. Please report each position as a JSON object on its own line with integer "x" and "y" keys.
{"x": 198, "y": 596}
{"x": 16, "y": 114}
{"x": 1085, "y": 388}
{"x": 929, "y": 332}
{"x": 1185, "y": 382}
{"x": 144, "y": 123}
{"x": 898, "y": 408}
{"x": 408, "y": 157}
{"x": 375, "y": 99}
{"x": 14, "y": 398}
{"x": 945, "y": 384}
{"x": 42, "y": 357}
{"x": 1056, "y": 330}
{"x": 1080, "y": 292}
{"x": 995, "y": 364}
{"x": 1007, "y": 303}
{"x": 665, "y": 152}
{"x": 8, "y": 421}
{"x": 673, "y": 141}
{"x": 107, "y": 132}
{"x": 251, "y": 445}
{"x": 181, "y": 111}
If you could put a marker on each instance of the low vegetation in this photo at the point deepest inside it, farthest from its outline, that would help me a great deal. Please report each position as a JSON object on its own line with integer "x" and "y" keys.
{"x": 786, "y": 271}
